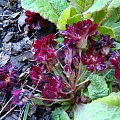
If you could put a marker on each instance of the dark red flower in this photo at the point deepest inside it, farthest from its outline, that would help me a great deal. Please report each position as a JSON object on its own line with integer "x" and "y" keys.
{"x": 45, "y": 55}
{"x": 114, "y": 61}
{"x": 44, "y": 49}
{"x": 93, "y": 60}
{"x": 8, "y": 77}
{"x": 35, "y": 21}
{"x": 53, "y": 88}
{"x": 105, "y": 43}
{"x": 79, "y": 33}
{"x": 36, "y": 74}
{"x": 20, "y": 97}
{"x": 45, "y": 42}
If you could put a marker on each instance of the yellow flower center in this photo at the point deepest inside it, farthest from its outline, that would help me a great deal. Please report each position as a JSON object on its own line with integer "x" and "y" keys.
{"x": 7, "y": 79}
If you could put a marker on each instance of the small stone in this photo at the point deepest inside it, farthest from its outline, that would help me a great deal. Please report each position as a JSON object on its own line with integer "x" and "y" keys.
{"x": 1, "y": 10}
{"x": 6, "y": 23}
{"x": 7, "y": 12}
{"x": 21, "y": 19}
{"x": 3, "y": 3}
{"x": 14, "y": 15}
{"x": 8, "y": 37}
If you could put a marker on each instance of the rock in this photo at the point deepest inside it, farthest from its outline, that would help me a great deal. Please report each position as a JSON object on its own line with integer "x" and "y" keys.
{"x": 1, "y": 10}
{"x": 3, "y": 59}
{"x": 21, "y": 19}
{"x": 19, "y": 3}
{"x": 16, "y": 48}
{"x": 3, "y": 3}
{"x": 7, "y": 48}
{"x": 1, "y": 28}
{"x": 7, "y": 12}
{"x": 14, "y": 15}
{"x": 8, "y": 37}
{"x": 15, "y": 60}
{"x": 6, "y": 23}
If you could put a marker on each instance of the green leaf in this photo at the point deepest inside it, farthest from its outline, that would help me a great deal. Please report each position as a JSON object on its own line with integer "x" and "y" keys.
{"x": 59, "y": 114}
{"x": 74, "y": 19}
{"x": 117, "y": 46}
{"x": 81, "y": 5}
{"x": 48, "y": 9}
{"x": 60, "y": 40}
{"x": 36, "y": 101}
{"x": 106, "y": 31}
{"x": 65, "y": 15}
{"x": 107, "y": 108}
{"x": 26, "y": 111}
{"x": 112, "y": 100}
{"x": 98, "y": 87}
{"x": 114, "y": 22}
{"x": 112, "y": 18}
{"x": 97, "y": 6}
{"x": 59, "y": 5}
{"x": 99, "y": 16}
{"x": 114, "y": 4}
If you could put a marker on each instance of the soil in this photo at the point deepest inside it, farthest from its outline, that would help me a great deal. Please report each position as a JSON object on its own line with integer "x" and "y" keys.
{"x": 15, "y": 46}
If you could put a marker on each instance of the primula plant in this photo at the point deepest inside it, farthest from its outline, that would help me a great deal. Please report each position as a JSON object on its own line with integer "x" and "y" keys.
{"x": 74, "y": 69}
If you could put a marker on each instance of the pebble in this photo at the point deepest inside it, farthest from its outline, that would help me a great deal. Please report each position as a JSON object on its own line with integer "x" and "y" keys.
{"x": 21, "y": 19}
{"x": 1, "y": 10}
{"x": 8, "y": 37}
{"x": 6, "y": 23}
{"x": 3, "y": 3}
{"x": 7, "y": 12}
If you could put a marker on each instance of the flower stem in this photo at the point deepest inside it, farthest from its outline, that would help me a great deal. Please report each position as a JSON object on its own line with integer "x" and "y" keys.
{"x": 55, "y": 100}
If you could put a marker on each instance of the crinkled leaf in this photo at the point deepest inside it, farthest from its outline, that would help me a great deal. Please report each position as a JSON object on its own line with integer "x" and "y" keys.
{"x": 114, "y": 4}
{"x": 74, "y": 19}
{"x": 99, "y": 16}
{"x": 117, "y": 46}
{"x": 98, "y": 87}
{"x": 112, "y": 100}
{"x": 97, "y": 111}
{"x": 97, "y": 6}
{"x": 59, "y": 5}
{"x": 81, "y": 5}
{"x": 60, "y": 40}
{"x": 107, "y": 108}
{"x": 112, "y": 18}
{"x": 109, "y": 75}
{"x": 114, "y": 22}
{"x": 65, "y": 15}
{"x": 106, "y": 31}
{"x": 48, "y": 9}
{"x": 59, "y": 114}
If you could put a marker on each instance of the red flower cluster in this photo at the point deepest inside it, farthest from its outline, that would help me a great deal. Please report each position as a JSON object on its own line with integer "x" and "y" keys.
{"x": 50, "y": 85}
{"x": 35, "y": 21}
{"x": 114, "y": 61}
{"x": 105, "y": 43}
{"x": 36, "y": 74}
{"x": 53, "y": 88}
{"x": 68, "y": 59}
{"x": 93, "y": 61}
{"x": 79, "y": 33}
{"x": 8, "y": 77}
{"x": 44, "y": 49}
